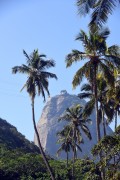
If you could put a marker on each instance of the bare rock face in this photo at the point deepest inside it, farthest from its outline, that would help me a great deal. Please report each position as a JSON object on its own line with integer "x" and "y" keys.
{"x": 48, "y": 125}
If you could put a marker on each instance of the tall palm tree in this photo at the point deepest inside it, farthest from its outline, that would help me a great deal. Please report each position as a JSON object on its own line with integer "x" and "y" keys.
{"x": 114, "y": 101}
{"x": 76, "y": 123}
{"x": 99, "y": 57}
{"x": 104, "y": 105}
{"x": 66, "y": 142}
{"x": 37, "y": 83}
{"x": 100, "y": 10}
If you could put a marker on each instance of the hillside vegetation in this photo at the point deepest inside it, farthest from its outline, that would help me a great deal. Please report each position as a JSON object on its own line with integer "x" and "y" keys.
{"x": 19, "y": 160}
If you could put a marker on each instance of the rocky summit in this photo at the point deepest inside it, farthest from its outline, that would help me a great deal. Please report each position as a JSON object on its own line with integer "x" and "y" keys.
{"x": 48, "y": 125}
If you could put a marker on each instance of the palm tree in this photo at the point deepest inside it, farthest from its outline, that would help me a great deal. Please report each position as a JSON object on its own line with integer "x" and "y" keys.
{"x": 99, "y": 58}
{"x": 110, "y": 146}
{"x": 37, "y": 83}
{"x": 113, "y": 97}
{"x": 66, "y": 141}
{"x": 101, "y": 10}
{"x": 75, "y": 120}
{"x": 104, "y": 105}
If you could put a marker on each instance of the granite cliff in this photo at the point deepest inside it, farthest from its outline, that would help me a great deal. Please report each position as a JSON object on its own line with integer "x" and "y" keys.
{"x": 48, "y": 124}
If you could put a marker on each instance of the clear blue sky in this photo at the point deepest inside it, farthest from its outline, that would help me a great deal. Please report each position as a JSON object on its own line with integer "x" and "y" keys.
{"x": 51, "y": 26}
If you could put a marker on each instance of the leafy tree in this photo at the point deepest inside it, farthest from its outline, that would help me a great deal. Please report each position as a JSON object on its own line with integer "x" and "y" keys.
{"x": 37, "y": 83}
{"x": 110, "y": 146}
{"x": 100, "y": 10}
{"x": 99, "y": 57}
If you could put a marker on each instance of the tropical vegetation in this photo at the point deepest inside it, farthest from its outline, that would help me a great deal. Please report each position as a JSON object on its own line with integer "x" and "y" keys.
{"x": 21, "y": 159}
{"x": 99, "y": 58}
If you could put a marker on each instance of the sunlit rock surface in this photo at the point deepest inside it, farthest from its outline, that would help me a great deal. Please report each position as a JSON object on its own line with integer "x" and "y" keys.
{"x": 48, "y": 124}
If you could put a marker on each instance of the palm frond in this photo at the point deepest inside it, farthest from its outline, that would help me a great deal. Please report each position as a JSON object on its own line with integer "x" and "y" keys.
{"x": 104, "y": 33}
{"x": 89, "y": 107}
{"x": 89, "y": 121}
{"x": 21, "y": 69}
{"x": 42, "y": 56}
{"x": 114, "y": 60}
{"x": 75, "y": 56}
{"x": 84, "y": 6}
{"x": 59, "y": 151}
{"x": 46, "y": 64}
{"x": 85, "y": 95}
{"x": 41, "y": 91}
{"x": 101, "y": 11}
{"x": 107, "y": 73}
{"x": 82, "y": 36}
{"x": 78, "y": 147}
{"x": 25, "y": 85}
{"x": 26, "y": 55}
{"x": 65, "y": 117}
{"x": 30, "y": 86}
{"x": 114, "y": 50}
{"x": 86, "y": 131}
{"x": 80, "y": 74}
{"x": 109, "y": 113}
{"x": 48, "y": 75}
{"x": 86, "y": 87}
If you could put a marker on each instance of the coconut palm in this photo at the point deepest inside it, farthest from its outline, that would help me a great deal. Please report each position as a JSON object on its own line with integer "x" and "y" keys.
{"x": 99, "y": 57}
{"x": 37, "y": 83}
{"x": 104, "y": 105}
{"x": 114, "y": 101}
{"x": 76, "y": 123}
{"x": 65, "y": 145}
{"x": 66, "y": 140}
{"x": 101, "y": 10}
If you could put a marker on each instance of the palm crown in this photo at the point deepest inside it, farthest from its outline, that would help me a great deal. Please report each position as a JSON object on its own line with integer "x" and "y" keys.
{"x": 37, "y": 80}
{"x": 97, "y": 53}
{"x": 75, "y": 120}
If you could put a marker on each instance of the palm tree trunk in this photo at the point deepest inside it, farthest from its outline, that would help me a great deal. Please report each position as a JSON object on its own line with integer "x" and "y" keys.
{"x": 115, "y": 119}
{"x": 67, "y": 160}
{"x": 73, "y": 153}
{"x": 73, "y": 163}
{"x": 96, "y": 105}
{"x": 39, "y": 143}
{"x": 103, "y": 120}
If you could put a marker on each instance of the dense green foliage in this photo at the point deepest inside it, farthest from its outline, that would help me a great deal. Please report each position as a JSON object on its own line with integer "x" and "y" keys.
{"x": 19, "y": 161}
{"x": 109, "y": 146}
{"x": 12, "y": 139}
{"x": 16, "y": 165}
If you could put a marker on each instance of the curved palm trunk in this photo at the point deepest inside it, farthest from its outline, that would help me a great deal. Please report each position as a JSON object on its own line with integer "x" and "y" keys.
{"x": 39, "y": 143}
{"x": 96, "y": 105}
